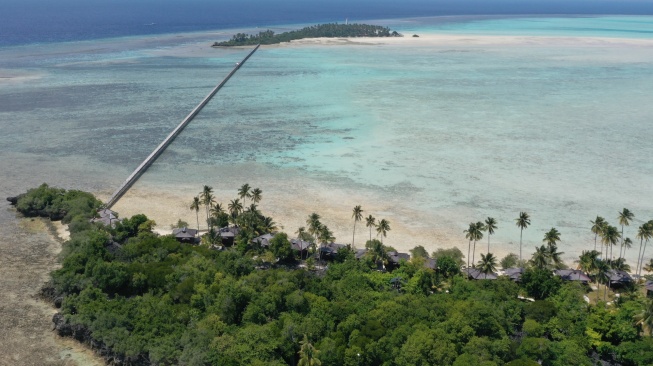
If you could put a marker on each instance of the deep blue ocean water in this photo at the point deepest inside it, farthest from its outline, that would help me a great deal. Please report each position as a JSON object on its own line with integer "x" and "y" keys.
{"x": 43, "y": 21}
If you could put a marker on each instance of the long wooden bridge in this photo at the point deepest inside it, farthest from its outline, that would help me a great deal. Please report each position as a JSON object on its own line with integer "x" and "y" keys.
{"x": 163, "y": 145}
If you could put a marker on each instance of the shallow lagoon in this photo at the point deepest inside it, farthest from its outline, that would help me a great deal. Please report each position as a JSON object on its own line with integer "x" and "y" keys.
{"x": 513, "y": 115}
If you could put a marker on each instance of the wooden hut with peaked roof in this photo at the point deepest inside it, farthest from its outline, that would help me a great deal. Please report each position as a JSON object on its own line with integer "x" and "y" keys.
{"x": 514, "y": 273}
{"x": 619, "y": 278}
{"x": 395, "y": 258}
{"x": 476, "y": 274}
{"x": 185, "y": 235}
{"x": 228, "y": 235}
{"x": 329, "y": 251}
{"x": 263, "y": 240}
{"x": 106, "y": 217}
{"x": 300, "y": 246}
{"x": 573, "y": 275}
{"x": 431, "y": 263}
{"x": 360, "y": 253}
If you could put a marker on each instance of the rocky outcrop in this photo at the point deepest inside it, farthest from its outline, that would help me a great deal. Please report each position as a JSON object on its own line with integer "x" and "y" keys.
{"x": 82, "y": 334}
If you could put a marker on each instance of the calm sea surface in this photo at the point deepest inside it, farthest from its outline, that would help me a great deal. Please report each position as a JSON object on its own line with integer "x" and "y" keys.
{"x": 444, "y": 134}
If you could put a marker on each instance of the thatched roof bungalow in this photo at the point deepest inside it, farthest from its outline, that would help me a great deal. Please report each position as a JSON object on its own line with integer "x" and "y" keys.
{"x": 619, "y": 278}
{"x": 329, "y": 251}
{"x": 476, "y": 274}
{"x": 185, "y": 235}
{"x": 106, "y": 217}
{"x": 263, "y": 240}
{"x": 573, "y": 275}
{"x": 514, "y": 273}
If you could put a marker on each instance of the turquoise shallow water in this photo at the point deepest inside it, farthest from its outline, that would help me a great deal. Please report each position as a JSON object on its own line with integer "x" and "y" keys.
{"x": 432, "y": 136}
{"x": 590, "y": 26}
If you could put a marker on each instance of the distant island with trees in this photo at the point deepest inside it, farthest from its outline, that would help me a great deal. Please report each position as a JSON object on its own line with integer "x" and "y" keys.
{"x": 315, "y": 31}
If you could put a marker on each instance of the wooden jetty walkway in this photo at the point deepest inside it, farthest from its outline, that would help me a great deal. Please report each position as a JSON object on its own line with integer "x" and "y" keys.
{"x": 163, "y": 145}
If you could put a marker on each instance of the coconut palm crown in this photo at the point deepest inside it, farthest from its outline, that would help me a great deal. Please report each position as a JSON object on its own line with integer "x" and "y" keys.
{"x": 357, "y": 215}
{"x": 195, "y": 206}
{"x": 597, "y": 227}
{"x": 370, "y": 222}
{"x": 490, "y": 226}
{"x": 256, "y": 195}
{"x": 523, "y": 221}
{"x": 243, "y": 192}
{"x": 487, "y": 264}
{"x": 382, "y": 228}
{"x": 625, "y": 217}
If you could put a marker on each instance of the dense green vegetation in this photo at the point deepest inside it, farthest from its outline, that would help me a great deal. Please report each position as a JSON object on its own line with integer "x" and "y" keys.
{"x": 316, "y": 31}
{"x": 58, "y": 204}
{"x": 154, "y": 301}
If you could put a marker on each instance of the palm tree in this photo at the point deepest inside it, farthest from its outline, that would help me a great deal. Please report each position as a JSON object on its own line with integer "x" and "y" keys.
{"x": 477, "y": 234}
{"x": 610, "y": 237}
{"x": 587, "y": 262}
{"x": 488, "y": 263}
{"x": 602, "y": 268}
{"x": 648, "y": 267}
{"x": 620, "y": 264}
{"x": 649, "y": 235}
{"x": 357, "y": 215}
{"x": 377, "y": 252}
{"x": 469, "y": 235}
{"x": 382, "y": 228}
{"x": 253, "y": 209}
{"x": 370, "y": 222}
{"x": 308, "y": 354}
{"x": 522, "y": 222}
{"x": 269, "y": 225}
{"x": 642, "y": 233}
{"x": 325, "y": 235}
{"x": 235, "y": 207}
{"x": 627, "y": 244}
{"x": 490, "y": 226}
{"x": 216, "y": 210}
{"x": 314, "y": 224}
{"x": 196, "y": 207}
{"x": 645, "y": 318}
{"x": 540, "y": 258}
{"x": 597, "y": 227}
{"x": 300, "y": 235}
{"x": 207, "y": 199}
{"x": 625, "y": 216}
{"x": 552, "y": 237}
{"x": 554, "y": 256}
{"x": 257, "y": 195}
{"x": 243, "y": 192}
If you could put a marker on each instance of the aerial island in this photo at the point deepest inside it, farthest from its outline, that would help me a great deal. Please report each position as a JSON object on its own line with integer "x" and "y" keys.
{"x": 245, "y": 293}
{"x": 316, "y": 31}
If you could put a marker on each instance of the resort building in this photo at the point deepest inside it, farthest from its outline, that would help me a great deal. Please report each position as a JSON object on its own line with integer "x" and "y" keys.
{"x": 573, "y": 275}
{"x": 476, "y": 274}
{"x": 329, "y": 251}
{"x": 185, "y": 235}
{"x": 263, "y": 240}
{"x": 228, "y": 234}
{"x": 514, "y": 273}
{"x": 106, "y": 217}
{"x": 619, "y": 278}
